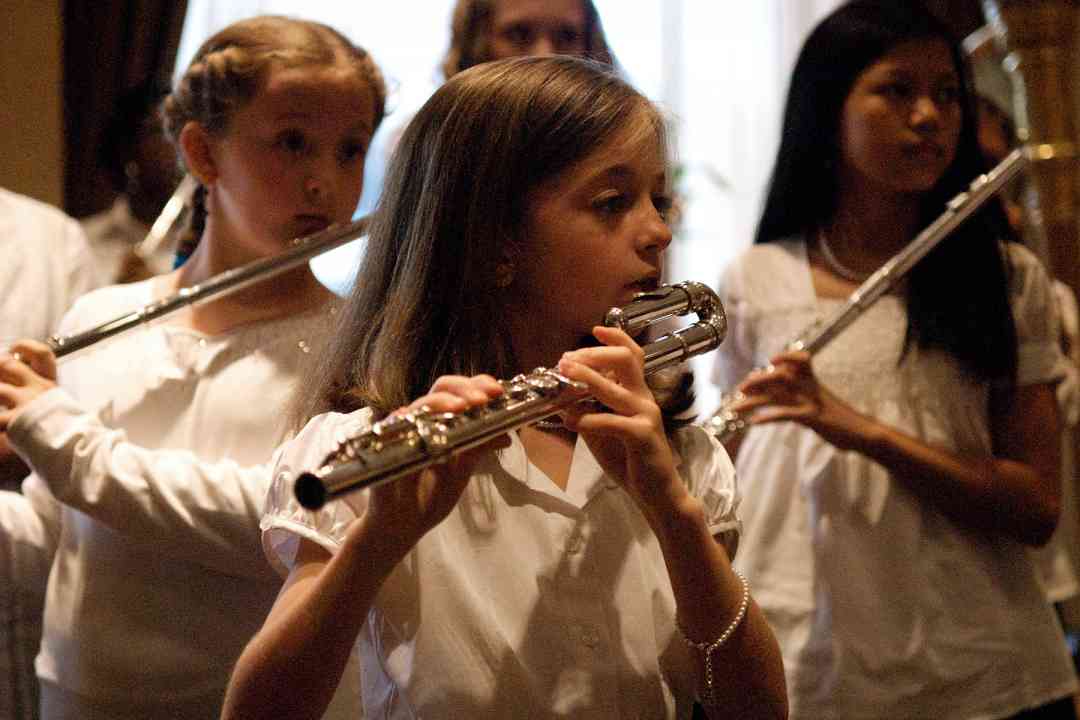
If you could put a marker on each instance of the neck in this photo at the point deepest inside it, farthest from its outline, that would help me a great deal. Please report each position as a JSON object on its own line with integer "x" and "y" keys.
{"x": 285, "y": 294}
{"x": 870, "y": 226}
{"x": 536, "y": 346}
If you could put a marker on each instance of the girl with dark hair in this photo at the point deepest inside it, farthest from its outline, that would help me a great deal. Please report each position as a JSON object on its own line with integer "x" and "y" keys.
{"x": 893, "y": 480}
{"x": 485, "y": 30}
{"x": 571, "y": 570}
{"x": 151, "y": 446}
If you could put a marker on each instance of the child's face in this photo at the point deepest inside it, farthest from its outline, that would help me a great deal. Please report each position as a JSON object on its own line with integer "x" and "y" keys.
{"x": 537, "y": 27}
{"x": 901, "y": 121}
{"x": 595, "y": 236}
{"x": 291, "y": 161}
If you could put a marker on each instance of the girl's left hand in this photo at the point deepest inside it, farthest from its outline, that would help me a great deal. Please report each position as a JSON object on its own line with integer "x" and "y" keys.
{"x": 27, "y": 370}
{"x": 629, "y": 442}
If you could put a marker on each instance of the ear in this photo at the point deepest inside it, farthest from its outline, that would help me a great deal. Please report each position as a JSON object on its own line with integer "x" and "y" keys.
{"x": 196, "y": 147}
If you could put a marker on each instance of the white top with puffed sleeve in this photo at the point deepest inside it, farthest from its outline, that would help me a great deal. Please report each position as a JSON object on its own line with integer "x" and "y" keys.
{"x": 526, "y": 598}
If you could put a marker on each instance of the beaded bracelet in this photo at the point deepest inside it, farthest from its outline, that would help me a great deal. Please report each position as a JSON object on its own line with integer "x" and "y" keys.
{"x": 707, "y": 648}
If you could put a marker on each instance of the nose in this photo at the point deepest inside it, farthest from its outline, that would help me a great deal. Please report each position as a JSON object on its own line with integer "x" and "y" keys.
{"x": 543, "y": 45}
{"x": 655, "y": 233}
{"x": 317, "y": 186}
{"x": 925, "y": 112}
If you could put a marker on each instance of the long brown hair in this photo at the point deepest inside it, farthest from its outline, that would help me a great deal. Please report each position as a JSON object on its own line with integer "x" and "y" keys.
{"x": 470, "y": 34}
{"x": 230, "y": 67}
{"x": 427, "y": 300}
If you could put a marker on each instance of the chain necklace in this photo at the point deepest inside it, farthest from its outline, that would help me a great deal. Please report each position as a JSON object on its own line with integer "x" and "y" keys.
{"x": 834, "y": 264}
{"x": 550, "y": 425}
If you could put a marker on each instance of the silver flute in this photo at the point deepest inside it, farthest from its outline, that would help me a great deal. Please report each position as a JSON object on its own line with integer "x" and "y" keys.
{"x": 401, "y": 445}
{"x": 727, "y": 422}
{"x": 301, "y": 250}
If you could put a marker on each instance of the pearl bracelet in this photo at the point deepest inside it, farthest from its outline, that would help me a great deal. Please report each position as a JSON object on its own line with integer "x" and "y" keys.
{"x": 707, "y": 648}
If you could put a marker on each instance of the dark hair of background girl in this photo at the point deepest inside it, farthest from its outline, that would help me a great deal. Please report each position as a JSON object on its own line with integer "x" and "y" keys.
{"x": 427, "y": 299}
{"x": 974, "y": 324}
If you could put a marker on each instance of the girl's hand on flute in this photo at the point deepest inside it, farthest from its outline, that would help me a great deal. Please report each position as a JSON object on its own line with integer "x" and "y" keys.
{"x": 789, "y": 390}
{"x": 27, "y": 370}
{"x": 406, "y": 509}
{"x": 629, "y": 442}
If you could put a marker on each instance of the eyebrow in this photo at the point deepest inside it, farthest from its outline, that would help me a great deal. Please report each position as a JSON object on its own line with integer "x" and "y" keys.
{"x": 621, "y": 172}
{"x": 890, "y": 70}
{"x": 303, "y": 115}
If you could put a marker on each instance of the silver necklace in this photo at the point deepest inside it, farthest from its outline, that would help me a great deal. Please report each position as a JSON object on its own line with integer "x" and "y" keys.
{"x": 834, "y": 264}
{"x": 550, "y": 425}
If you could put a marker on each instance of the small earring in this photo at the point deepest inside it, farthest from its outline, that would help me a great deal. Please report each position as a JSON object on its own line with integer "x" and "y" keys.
{"x": 131, "y": 177}
{"x": 504, "y": 275}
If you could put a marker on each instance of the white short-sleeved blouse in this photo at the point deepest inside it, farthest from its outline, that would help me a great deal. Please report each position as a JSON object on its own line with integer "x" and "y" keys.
{"x": 526, "y": 599}
{"x": 884, "y": 608}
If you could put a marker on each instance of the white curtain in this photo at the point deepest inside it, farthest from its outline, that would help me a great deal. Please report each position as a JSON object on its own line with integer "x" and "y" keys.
{"x": 720, "y": 68}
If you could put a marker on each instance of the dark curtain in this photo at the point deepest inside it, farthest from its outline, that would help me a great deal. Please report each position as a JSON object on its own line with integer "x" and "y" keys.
{"x": 109, "y": 47}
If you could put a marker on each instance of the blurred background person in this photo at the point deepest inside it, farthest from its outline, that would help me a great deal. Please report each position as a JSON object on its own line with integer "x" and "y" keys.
{"x": 142, "y": 166}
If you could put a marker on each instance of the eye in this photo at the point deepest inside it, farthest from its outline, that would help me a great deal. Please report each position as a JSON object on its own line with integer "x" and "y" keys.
{"x": 947, "y": 95}
{"x": 664, "y": 204}
{"x": 612, "y": 203}
{"x": 896, "y": 90}
{"x": 292, "y": 141}
{"x": 351, "y": 152}
{"x": 567, "y": 37}
{"x": 520, "y": 35}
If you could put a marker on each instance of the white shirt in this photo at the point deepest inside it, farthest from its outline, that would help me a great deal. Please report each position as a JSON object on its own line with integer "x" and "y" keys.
{"x": 45, "y": 264}
{"x": 884, "y": 608}
{"x": 526, "y": 598}
{"x": 159, "y": 578}
{"x": 1058, "y": 562}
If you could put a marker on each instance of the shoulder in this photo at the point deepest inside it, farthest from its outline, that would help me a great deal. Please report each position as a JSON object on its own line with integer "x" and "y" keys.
{"x": 284, "y": 521}
{"x": 762, "y": 263}
{"x": 709, "y": 474}
{"x": 106, "y": 303}
{"x": 764, "y": 276}
{"x": 1030, "y": 287}
{"x": 1026, "y": 270}
{"x": 21, "y": 215}
{"x": 321, "y": 436}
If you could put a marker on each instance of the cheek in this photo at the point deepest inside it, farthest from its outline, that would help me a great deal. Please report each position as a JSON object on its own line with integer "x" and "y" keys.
{"x": 862, "y": 141}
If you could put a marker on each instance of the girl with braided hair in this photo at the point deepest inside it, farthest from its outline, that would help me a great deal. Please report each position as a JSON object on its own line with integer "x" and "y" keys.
{"x": 149, "y": 450}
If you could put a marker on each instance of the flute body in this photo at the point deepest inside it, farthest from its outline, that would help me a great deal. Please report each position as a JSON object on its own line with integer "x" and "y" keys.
{"x": 401, "y": 445}
{"x": 726, "y": 422}
{"x": 302, "y": 250}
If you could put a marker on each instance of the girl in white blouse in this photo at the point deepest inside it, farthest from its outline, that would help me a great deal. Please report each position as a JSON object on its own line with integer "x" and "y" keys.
{"x": 547, "y": 574}
{"x": 893, "y": 481}
{"x": 152, "y": 446}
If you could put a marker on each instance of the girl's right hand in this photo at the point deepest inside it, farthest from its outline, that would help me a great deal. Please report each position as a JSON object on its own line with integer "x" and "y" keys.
{"x": 404, "y": 510}
{"x": 789, "y": 391}
{"x": 27, "y": 370}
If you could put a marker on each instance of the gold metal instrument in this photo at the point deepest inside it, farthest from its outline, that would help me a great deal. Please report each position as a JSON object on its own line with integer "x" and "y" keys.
{"x": 1038, "y": 39}
{"x": 301, "y": 250}
{"x": 401, "y": 445}
{"x": 726, "y": 422}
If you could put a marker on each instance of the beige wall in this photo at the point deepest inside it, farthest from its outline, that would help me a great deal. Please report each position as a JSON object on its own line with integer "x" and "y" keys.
{"x": 30, "y": 98}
